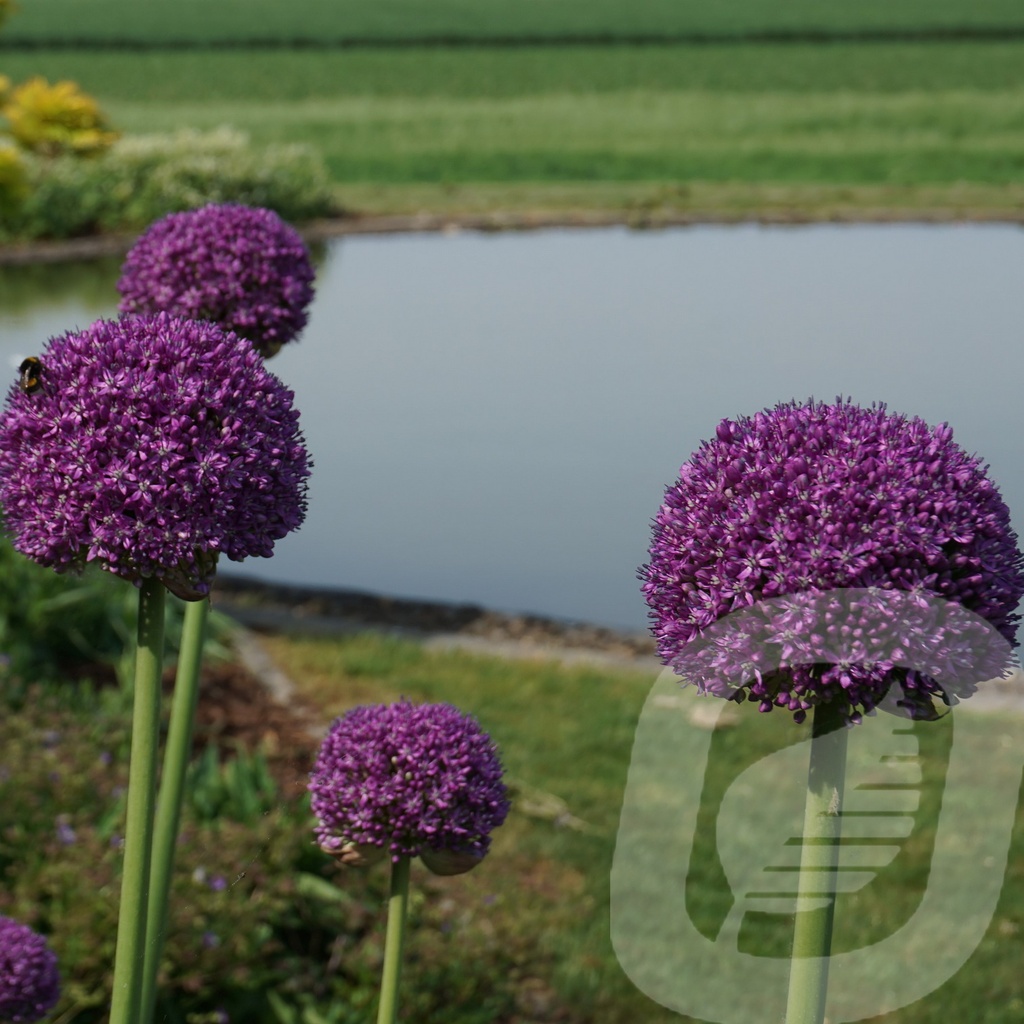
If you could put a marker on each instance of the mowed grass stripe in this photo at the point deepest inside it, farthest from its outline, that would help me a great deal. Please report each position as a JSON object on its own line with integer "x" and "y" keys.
{"x": 281, "y": 75}
{"x": 838, "y": 138}
{"x": 155, "y": 21}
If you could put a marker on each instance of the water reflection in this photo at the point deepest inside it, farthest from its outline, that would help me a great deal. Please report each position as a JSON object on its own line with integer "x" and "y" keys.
{"x": 494, "y": 418}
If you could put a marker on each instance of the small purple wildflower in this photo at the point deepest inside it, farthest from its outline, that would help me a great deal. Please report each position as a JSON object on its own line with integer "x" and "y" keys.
{"x": 240, "y": 267}
{"x": 66, "y": 835}
{"x": 409, "y": 779}
{"x": 154, "y": 445}
{"x": 806, "y": 499}
{"x": 29, "y": 983}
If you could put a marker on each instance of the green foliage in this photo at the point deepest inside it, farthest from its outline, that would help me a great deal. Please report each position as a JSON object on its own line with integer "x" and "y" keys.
{"x": 48, "y": 620}
{"x": 163, "y": 22}
{"x": 13, "y": 181}
{"x": 141, "y": 179}
{"x": 261, "y": 925}
{"x": 240, "y": 789}
{"x": 51, "y": 624}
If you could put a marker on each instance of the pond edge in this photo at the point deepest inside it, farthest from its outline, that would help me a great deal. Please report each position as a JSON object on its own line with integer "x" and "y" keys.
{"x": 97, "y": 246}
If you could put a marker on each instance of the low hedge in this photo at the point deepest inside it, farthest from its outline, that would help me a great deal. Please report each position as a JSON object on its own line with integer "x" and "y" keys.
{"x": 142, "y": 178}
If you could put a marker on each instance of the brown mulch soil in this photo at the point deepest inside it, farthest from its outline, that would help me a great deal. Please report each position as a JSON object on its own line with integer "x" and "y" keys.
{"x": 236, "y": 710}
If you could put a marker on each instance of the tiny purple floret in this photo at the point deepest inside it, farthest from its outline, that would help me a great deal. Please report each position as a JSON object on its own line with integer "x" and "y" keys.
{"x": 29, "y": 982}
{"x": 408, "y": 778}
{"x": 153, "y": 445}
{"x": 239, "y": 266}
{"x": 810, "y": 498}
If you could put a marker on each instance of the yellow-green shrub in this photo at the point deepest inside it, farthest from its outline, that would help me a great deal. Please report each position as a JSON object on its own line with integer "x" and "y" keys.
{"x": 13, "y": 180}
{"x": 54, "y": 119}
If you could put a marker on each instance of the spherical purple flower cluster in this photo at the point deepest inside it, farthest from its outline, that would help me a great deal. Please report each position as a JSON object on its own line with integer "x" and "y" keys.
{"x": 152, "y": 444}
{"x": 409, "y": 779}
{"x": 814, "y": 498}
{"x": 240, "y": 267}
{"x": 29, "y": 983}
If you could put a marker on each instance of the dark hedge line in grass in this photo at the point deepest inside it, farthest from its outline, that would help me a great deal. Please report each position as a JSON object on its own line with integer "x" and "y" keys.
{"x": 391, "y": 21}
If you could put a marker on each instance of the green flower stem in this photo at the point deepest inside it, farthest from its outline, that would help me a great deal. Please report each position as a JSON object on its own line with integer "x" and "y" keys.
{"x": 812, "y": 937}
{"x": 172, "y": 786}
{"x": 398, "y": 904}
{"x": 129, "y": 952}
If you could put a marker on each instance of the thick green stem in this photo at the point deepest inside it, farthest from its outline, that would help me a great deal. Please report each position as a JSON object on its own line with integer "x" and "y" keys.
{"x": 172, "y": 787}
{"x": 130, "y": 949}
{"x": 397, "y": 907}
{"x": 812, "y": 937}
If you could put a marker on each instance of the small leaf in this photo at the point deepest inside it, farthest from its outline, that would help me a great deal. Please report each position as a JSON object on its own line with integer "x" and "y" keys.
{"x": 314, "y": 887}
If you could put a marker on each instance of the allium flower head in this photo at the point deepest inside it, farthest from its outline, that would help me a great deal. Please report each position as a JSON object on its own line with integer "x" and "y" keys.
{"x": 409, "y": 779}
{"x": 241, "y": 267}
{"x": 29, "y": 983}
{"x": 813, "y": 498}
{"x": 151, "y": 444}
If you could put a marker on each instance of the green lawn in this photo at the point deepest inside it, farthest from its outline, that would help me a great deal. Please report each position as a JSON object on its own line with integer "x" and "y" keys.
{"x": 827, "y": 130}
{"x": 163, "y": 21}
{"x": 913, "y": 138}
{"x": 567, "y": 733}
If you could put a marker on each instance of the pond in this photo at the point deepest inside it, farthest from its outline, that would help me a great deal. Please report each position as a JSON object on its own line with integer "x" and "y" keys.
{"x": 494, "y": 418}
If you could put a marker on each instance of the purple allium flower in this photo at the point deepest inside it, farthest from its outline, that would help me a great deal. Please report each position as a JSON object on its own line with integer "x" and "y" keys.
{"x": 815, "y": 498}
{"x": 408, "y": 779}
{"x": 240, "y": 267}
{"x": 29, "y": 983}
{"x": 152, "y": 445}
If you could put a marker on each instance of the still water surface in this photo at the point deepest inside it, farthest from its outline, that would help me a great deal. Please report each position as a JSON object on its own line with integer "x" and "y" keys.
{"x": 494, "y": 418}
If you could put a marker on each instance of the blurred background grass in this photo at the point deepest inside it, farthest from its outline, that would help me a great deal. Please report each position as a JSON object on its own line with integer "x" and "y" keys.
{"x": 331, "y": 21}
{"x": 927, "y": 98}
